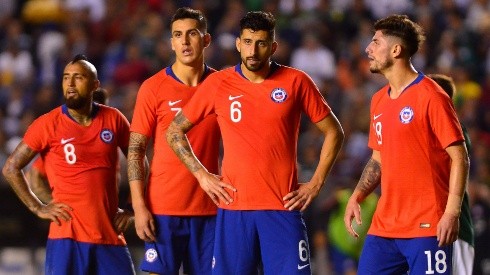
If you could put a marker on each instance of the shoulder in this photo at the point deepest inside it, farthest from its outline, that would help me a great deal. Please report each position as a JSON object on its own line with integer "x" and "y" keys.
{"x": 155, "y": 80}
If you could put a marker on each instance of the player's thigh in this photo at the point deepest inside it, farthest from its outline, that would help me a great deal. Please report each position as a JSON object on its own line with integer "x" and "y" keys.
{"x": 112, "y": 259}
{"x": 463, "y": 257}
{"x": 200, "y": 247}
{"x": 424, "y": 255}
{"x": 65, "y": 256}
{"x": 165, "y": 255}
{"x": 236, "y": 249}
{"x": 283, "y": 242}
{"x": 381, "y": 256}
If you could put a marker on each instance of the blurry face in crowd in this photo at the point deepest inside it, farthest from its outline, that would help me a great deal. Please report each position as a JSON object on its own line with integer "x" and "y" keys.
{"x": 379, "y": 52}
{"x": 256, "y": 48}
{"x": 78, "y": 85}
{"x": 188, "y": 41}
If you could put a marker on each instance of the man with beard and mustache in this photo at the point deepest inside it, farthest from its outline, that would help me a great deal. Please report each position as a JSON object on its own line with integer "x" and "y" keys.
{"x": 419, "y": 159}
{"x": 258, "y": 105}
{"x": 79, "y": 142}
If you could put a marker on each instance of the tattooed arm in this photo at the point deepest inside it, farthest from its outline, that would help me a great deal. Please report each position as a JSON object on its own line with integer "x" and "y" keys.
{"x": 178, "y": 141}
{"x": 137, "y": 165}
{"x": 12, "y": 170}
{"x": 370, "y": 179}
{"x": 39, "y": 185}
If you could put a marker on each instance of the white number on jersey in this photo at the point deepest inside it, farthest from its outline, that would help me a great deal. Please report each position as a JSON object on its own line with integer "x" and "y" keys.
{"x": 235, "y": 112}
{"x": 70, "y": 156}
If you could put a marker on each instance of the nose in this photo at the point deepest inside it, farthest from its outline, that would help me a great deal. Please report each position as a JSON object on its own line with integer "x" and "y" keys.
{"x": 186, "y": 40}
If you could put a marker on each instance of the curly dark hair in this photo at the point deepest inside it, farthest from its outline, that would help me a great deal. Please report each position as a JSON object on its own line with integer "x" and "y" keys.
{"x": 259, "y": 21}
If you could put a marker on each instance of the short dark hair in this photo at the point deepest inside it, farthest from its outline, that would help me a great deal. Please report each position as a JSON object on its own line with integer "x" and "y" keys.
{"x": 259, "y": 21}
{"x": 411, "y": 33}
{"x": 79, "y": 57}
{"x": 446, "y": 83}
{"x": 83, "y": 59}
{"x": 188, "y": 13}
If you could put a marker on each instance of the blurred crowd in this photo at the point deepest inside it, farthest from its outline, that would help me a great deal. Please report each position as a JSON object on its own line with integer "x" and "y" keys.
{"x": 128, "y": 40}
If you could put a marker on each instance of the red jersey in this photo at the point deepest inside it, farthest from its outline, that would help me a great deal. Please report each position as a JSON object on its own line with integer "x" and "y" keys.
{"x": 172, "y": 189}
{"x": 260, "y": 125}
{"x": 81, "y": 164}
{"x": 411, "y": 132}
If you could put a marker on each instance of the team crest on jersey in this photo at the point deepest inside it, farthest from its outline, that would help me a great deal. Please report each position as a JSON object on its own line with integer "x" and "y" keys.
{"x": 151, "y": 255}
{"x": 406, "y": 115}
{"x": 279, "y": 95}
{"x": 106, "y": 135}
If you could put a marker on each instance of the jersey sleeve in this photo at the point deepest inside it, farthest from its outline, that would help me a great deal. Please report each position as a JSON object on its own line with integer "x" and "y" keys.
{"x": 144, "y": 115}
{"x": 123, "y": 130}
{"x": 202, "y": 102}
{"x": 313, "y": 103}
{"x": 34, "y": 136}
{"x": 443, "y": 120}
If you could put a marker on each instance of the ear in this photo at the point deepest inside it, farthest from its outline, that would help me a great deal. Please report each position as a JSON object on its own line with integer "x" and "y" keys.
{"x": 274, "y": 47}
{"x": 237, "y": 44}
{"x": 397, "y": 50}
{"x": 207, "y": 40}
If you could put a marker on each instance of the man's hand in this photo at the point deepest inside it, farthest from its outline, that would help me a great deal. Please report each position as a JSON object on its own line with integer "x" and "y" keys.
{"x": 123, "y": 220}
{"x": 54, "y": 211}
{"x": 215, "y": 187}
{"x": 144, "y": 224}
{"x": 447, "y": 229}
{"x": 352, "y": 210}
{"x": 301, "y": 198}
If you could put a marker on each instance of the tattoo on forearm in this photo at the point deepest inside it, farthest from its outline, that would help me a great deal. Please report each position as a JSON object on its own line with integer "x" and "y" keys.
{"x": 180, "y": 144}
{"x": 136, "y": 156}
{"x": 370, "y": 178}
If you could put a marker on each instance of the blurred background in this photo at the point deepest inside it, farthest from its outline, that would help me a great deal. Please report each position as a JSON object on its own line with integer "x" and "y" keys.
{"x": 128, "y": 40}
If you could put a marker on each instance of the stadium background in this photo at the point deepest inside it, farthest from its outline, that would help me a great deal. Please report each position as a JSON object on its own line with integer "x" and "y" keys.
{"x": 128, "y": 40}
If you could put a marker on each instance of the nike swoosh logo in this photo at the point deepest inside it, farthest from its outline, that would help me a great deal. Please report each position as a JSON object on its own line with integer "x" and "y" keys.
{"x": 234, "y": 97}
{"x": 376, "y": 116}
{"x": 64, "y": 141}
{"x": 172, "y": 103}
{"x": 302, "y": 266}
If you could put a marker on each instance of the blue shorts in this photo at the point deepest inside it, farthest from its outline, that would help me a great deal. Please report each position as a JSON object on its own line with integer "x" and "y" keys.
{"x": 186, "y": 241}
{"x": 397, "y": 256}
{"x": 66, "y": 256}
{"x": 274, "y": 240}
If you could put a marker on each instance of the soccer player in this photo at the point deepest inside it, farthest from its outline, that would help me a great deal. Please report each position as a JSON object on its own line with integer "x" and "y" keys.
{"x": 37, "y": 174}
{"x": 79, "y": 142}
{"x": 175, "y": 217}
{"x": 463, "y": 247}
{"x": 419, "y": 159}
{"x": 258, "y": 104}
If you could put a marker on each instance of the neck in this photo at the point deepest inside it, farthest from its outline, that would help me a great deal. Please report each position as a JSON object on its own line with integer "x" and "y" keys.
{"x": 257, "y": 76}
{"x": 189, "y": 75}
{"x": 400, "y": 77}
{"x": 82, "y": 116}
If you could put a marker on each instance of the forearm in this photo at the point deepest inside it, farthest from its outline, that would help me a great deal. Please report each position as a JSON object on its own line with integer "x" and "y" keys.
{"x": 330, "y": 150}
{"x": 458, "y": 178}
{"x": 370, "y": 179}
{"x": 40, "y": 187}
{"x": 179, "y": 143}
{"x": 137, "y": 165}
{"x": 16, "y": 179}
{"x": 12, "y": 171}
